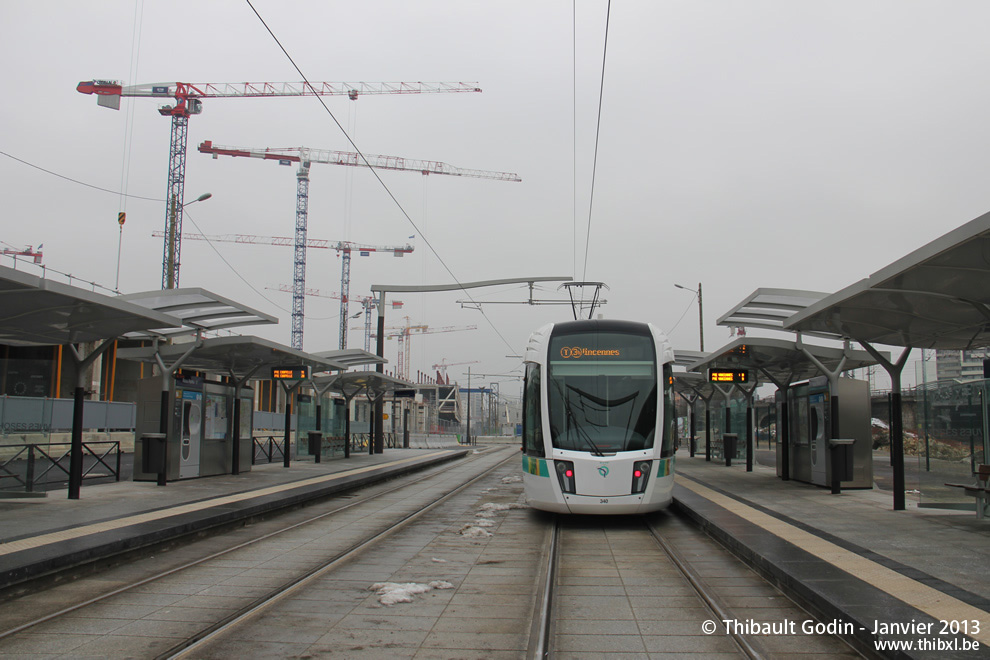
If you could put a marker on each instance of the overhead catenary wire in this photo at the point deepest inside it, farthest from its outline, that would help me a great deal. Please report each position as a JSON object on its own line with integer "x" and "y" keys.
{"x": 81, "y": 183}
{"x": 374, "y": 170}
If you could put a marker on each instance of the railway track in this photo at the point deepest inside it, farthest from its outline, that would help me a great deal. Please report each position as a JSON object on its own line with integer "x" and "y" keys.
{"x": 479, "y": 575}
{"x": 380, "y": 513}
{"x": 653, "y": 585}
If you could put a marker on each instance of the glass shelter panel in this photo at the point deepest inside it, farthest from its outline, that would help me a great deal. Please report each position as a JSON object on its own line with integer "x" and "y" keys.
{"x": 948, "y": 440}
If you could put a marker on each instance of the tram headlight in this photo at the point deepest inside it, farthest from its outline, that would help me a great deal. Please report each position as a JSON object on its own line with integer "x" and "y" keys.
{"x": 565, "y": 475}
{"x": 641, "y": 474}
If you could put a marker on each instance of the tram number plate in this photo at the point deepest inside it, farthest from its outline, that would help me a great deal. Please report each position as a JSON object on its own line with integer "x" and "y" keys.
{"x": 604, "y": 500}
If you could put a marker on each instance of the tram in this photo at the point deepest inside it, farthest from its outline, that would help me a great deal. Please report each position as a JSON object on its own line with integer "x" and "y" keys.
{"x": 598, "y": 418}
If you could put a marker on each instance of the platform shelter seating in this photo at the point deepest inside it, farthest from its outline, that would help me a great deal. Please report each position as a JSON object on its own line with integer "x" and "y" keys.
{"x": 980, "y": 490}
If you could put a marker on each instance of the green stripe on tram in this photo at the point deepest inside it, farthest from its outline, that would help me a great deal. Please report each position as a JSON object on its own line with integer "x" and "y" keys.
{"x": 536, "y": 466}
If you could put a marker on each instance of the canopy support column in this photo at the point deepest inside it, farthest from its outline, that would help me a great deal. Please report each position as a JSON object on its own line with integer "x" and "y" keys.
{"x": 783, "y": 433}
{"x": 79, "y": 396}
{"x": 896, "y": 420}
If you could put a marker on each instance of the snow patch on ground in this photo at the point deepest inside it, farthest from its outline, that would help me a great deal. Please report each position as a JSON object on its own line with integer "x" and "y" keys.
{"x": 438, "y": 561}
{"x": 390, "y": 593}
{"x": 514, "y": 479}
{"x": 475, "y": 531}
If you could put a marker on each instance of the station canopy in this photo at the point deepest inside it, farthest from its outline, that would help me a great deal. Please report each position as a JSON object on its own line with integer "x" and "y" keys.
{"x": 782, "y": 361}
{"x": 935, "y": 297}
{"x": 198, "y": 309}
{"x": 769, "y": 308}
{"x": 41, "y": 312}
{"x": 690, "y": 383}
{"x": 238, "y": 356}
{"x": 352, "y": 383}
{"x": 351, "y": 357}
{"x": 685, "y": 359}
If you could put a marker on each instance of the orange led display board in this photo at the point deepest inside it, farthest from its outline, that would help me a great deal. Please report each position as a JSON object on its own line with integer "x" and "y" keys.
{"x": 290, "y": 373}
{"x": 728, "y": 375}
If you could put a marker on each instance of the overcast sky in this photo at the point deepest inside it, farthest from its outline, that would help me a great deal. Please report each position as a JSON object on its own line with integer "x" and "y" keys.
{"x": 742, "y": 145}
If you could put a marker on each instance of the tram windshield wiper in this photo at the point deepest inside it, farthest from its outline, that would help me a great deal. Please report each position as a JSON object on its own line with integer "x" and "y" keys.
{"x": 578, "y": 429}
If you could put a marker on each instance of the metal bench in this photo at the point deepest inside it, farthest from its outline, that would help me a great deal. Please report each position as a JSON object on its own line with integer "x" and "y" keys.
{"x": 979, "y": 490}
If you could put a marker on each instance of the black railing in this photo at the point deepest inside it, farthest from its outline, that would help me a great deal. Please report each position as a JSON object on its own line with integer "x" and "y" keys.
{"x": 42, "y": 464}
{"x": 268, "y": 449}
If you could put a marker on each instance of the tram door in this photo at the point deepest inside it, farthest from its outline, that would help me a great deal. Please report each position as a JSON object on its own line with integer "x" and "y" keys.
{"x": 818, "y": 408}
{"x": 190, "y": 412}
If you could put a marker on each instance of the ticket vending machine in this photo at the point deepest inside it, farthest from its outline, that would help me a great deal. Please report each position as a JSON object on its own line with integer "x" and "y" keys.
{"x": 200, "y": 430}
{"x": 819, "y": 430}
{"x": 189, "y": 413}
{"x": 810, "y": 427}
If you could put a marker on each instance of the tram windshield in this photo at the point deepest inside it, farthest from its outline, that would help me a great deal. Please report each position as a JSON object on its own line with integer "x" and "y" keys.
{"x": 602, "y": 392}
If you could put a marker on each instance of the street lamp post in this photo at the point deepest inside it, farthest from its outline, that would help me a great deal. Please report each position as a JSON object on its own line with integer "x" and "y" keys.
{"x": 701, "y": 314}
{"x": 173, "y": 237}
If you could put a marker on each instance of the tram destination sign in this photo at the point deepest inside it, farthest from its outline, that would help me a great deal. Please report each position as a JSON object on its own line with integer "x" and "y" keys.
{"x": 728, "y": 375}
{"x": 290, "y": 373}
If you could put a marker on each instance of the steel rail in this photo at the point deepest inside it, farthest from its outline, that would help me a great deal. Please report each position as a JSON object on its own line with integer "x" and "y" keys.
{"x": 542, "y": 630}
{"x": 710, "y": 600}
{"x": 217, "y": 629}
{"x": 172, "y": 571}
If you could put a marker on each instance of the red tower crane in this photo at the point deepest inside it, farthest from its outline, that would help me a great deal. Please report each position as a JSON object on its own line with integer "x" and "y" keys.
{"x": 343, "y": 248}
{"x": 305, "y": 157}
{"x": 188, "y": 101}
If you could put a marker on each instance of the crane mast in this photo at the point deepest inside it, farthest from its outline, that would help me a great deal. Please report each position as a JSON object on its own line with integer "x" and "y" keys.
{"x": 403, "y": 333}
{"x": 306, "y": 156}
{"x": 300, "y": 243}
{"x": 188, "y": 101}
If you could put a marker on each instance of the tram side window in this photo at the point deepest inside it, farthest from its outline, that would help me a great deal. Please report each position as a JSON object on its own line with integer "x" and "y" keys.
{"x": 532, "y": 413}
{"x": 667, "y": 448}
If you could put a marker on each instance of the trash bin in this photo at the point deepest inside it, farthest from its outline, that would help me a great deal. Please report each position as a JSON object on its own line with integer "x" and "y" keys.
{"x": 842, "y": 461}
{"x": 315, "y": 444}
{"x": 153, "y": 455}
{"x": 729, "y": 442}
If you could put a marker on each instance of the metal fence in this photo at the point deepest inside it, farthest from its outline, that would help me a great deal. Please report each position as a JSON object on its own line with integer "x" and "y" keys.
{"x": 35, "y": 466}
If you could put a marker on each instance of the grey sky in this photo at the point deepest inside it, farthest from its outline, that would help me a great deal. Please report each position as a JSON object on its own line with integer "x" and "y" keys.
{"x": 743, "y": 144}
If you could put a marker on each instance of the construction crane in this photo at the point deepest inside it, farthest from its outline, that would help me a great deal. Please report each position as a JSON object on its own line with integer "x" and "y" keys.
{"x": 305, "y": 157}
{"x": 343, "y": 248}
{"x": 188, "y": 101}
{"x": 29, "y": 251}
{"x": 441, "y": 368}
{"x": 402, "y": 333}
{"x": 367, "y": 305}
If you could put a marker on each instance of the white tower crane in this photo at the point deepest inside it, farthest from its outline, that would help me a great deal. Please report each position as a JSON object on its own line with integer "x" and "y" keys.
{"x": 305, "y": 157}
{"x": 343, "y": 248}
{"x": 188, "y": 101}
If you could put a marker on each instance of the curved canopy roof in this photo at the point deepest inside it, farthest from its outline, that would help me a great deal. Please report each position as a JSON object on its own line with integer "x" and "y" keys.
{"x": 935, "y": 297}
{"x": 198, "y": 309}
{"x": 371, "y": 383}
{"x": 781, "y": 360}
{"x": 238, "y": 355}
{"x": 769, "y": 308}
{"x": 39, "y": 312}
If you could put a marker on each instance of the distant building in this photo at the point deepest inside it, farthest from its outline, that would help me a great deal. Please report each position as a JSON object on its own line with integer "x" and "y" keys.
{"x": 960, "y": 365}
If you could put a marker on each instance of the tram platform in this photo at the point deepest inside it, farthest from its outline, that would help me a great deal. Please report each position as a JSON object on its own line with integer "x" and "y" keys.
{"x": 41, "y": 536}
{"x": 849, "y": 557}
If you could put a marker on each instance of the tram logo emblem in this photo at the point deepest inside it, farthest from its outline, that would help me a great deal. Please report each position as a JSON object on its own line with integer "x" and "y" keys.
{"x": 603, "y": 470}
